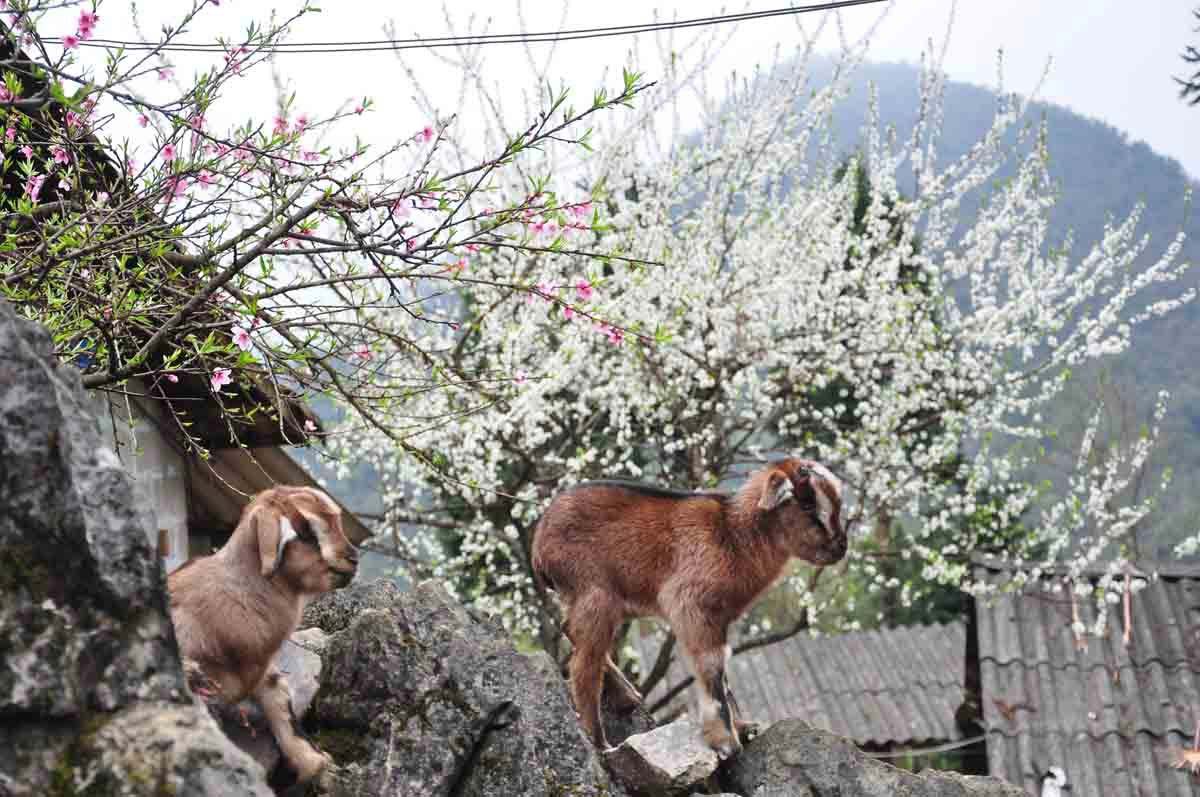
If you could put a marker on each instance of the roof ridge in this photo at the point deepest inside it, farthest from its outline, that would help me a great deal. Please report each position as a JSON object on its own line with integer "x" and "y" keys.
{"x": 1131, "y": 664}
{"x": 1096, "y": 737}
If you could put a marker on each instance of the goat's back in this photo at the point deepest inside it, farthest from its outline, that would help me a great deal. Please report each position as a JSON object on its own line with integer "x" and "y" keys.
{"x": 622, "y": 537}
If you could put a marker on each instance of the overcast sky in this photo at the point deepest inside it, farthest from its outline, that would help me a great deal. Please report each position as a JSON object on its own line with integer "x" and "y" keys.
{"x": 1109, "y": 59}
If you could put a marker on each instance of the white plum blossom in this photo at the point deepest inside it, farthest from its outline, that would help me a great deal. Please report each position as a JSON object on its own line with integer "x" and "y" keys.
{"x": 935, "y": 334}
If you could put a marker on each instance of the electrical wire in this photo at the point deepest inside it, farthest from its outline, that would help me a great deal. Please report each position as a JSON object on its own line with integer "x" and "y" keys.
{"x": 383, "y": 45}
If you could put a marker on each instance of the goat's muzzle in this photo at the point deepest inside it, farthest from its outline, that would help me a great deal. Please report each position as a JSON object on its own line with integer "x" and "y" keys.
{"x": 345, "y": 567}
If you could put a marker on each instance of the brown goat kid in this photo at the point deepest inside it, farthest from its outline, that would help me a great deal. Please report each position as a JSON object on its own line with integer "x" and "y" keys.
{"x": 616, "y": 550}
{"x": 233, "y": 610}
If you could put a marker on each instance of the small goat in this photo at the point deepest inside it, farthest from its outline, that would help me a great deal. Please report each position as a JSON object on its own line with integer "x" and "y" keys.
{"x": 614, "y": 550}
{"x": 233, "y": 610}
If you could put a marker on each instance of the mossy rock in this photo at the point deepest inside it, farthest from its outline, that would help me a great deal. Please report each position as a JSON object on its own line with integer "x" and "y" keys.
{"x": 346, "y": 745}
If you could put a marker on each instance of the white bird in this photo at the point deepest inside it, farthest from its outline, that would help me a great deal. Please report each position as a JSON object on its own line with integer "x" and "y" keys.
{"x": 1054, "y": 782}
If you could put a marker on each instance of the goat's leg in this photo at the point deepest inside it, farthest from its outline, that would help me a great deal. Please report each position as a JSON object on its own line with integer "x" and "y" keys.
{"x": 213, "y": 685}
{"x": 746, "y": 729}
{"x": 276, "y": 700}
{"x": 707, "y": 655}
{"x": 593, "y": 625}
{"x": 622, "y": 695}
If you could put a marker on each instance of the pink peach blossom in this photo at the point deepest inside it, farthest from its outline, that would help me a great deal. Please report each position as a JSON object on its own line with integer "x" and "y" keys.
{"x": 242, "y": 338}
{"x": 33, "y": 186}
{"x": 87, "y": 23}
{"x": 220, "y": 377}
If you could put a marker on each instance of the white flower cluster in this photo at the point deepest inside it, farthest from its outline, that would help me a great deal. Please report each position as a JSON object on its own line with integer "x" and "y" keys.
{"x": 887, "y": 344}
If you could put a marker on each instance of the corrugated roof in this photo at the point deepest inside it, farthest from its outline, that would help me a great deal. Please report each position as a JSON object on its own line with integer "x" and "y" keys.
{"x": 1104, "y": 712}
{"x": 899, "y": 685}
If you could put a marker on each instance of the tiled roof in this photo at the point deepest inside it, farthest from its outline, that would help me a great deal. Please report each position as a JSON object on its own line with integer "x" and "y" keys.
{"x": 1105, "y": 713}
{"x": 899, "y": 685}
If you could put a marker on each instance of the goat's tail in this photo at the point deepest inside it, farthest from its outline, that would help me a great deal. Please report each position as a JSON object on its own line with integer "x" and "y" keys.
{"x": 541, "y": 579}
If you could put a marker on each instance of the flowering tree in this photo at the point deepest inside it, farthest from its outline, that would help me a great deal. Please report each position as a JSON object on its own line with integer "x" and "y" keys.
{"x": 1189, "y": 86}
{"x": 266, "y": 253}
{"x": 914, "y": 350}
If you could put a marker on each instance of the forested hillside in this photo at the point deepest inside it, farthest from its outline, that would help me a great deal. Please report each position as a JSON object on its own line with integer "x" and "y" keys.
{"x": 1101, "y": 173}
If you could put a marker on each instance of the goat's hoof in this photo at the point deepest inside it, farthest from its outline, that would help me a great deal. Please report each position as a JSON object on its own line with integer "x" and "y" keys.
{"x": 727, "y": 750}
{"x": 303, "y": 765}
{"x": 748, "y": 729}
{"x": 722, "y": 740}
{"x": 312, "y": 764}
{"x": 724, "y": 748}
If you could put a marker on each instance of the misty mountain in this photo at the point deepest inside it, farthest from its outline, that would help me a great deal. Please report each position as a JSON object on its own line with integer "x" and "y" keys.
{"x": 1101, "y": 174}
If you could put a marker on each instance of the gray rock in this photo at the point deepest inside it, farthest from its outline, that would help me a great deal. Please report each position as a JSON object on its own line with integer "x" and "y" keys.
{"x": 793, "y": 759}
{"x": 419, "y": 697}
{"x": 620, "y": 725}
{"x": 335, "y": 612}
{"x": 313, "y": 640}
{"x": 82, "y": 626}
{"x": 672, "y": 759}
{"x": 167, "y": 748}
{"x": 86, "y": 644}
{"x": 300, "y": 662}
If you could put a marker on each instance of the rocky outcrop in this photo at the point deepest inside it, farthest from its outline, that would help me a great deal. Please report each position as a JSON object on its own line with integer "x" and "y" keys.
{"x": 793, "y": 759}
{"x": 420, "y": 697}
{"x": 669, "y": 760}
{"x": 91, "y": 689}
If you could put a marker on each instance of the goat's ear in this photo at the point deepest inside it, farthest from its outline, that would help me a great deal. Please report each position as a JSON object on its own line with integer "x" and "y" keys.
{"x": 777, "y": 488}
{"x": 320, "y": 521}
{"x": 274, "y": 533}
{"x": 316, "y": 521}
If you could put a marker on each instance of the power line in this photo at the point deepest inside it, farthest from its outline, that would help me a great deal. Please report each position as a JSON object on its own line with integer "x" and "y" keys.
{"x": 923, "y": 751}
{"x": 383, "y": 45}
